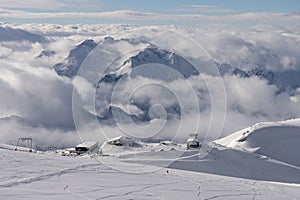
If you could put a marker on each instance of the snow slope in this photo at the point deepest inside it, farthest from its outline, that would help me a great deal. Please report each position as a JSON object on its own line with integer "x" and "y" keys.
{"x": 46, "y": 176}
{"x": 158, "y": 171}
{"x": 277, "y": 140}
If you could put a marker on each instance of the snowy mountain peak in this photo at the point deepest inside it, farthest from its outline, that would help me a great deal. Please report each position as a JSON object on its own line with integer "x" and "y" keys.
{"x": 71, "y": 64}
{"x": 89, "y": 43}
{"x": 46, "y": 53}
{"x": 156, "y": 58}
{"x": 164, "y": 57}
{"x": 155, "y": 63}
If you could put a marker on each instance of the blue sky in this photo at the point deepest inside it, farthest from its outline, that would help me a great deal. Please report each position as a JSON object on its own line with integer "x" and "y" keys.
{"x": 240, "y": 5}
{"x": 165, "y": 6}
{"x": 162, "y": 11}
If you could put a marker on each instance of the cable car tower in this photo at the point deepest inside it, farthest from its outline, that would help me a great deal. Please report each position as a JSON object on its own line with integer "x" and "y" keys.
{"x": 27, "y": 141}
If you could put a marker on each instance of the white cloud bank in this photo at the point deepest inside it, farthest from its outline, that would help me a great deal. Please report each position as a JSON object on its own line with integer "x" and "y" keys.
{"x": 203, "y": 9}
{"x": 49, "y": 4}
{"x": 262, "y": 17}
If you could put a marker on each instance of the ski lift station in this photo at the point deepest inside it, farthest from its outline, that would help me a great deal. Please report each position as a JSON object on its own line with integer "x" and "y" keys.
{"x": 122, "y": 141}
{"x": 86, "y": 147}
{"x": 193, "y": 142}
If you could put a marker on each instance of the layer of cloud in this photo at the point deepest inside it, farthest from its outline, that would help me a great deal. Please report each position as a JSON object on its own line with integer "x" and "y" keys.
{"x": 275, "y": 50}
{"x": 262, "y": 17}
{"x": 12, "y": 128}
{"x": 32, "y": 89}
{"x": 50, "y": 4}
{"x": 203, "y": 9}
{"x": 249, "y": 100}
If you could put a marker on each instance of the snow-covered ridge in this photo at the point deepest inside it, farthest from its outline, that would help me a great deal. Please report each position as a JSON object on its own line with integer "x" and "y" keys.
{"x": 277, "y": 140}
{"x": 12, "y": 34}
{"x": 147, "y": 54}
{"x": 286, "y": 81}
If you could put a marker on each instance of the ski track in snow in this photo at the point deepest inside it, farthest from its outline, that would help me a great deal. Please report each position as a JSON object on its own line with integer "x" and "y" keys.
{"x": 46, "y": 176}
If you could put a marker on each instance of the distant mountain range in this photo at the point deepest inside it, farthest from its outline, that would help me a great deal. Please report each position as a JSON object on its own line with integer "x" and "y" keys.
{"x": 285, "y": 81}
